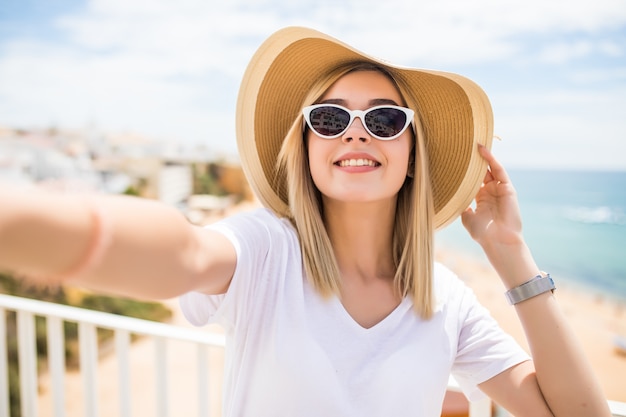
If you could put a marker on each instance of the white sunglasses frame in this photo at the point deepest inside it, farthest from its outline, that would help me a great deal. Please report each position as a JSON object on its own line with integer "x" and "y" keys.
{"x": 410, "y": 115}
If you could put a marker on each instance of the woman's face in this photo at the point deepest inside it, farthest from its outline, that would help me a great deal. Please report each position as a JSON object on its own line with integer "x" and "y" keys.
{"x": 357, "y": 167}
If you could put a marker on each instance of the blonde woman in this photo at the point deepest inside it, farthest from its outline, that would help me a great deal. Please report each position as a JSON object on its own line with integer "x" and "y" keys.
{"x": 329, "y": 295}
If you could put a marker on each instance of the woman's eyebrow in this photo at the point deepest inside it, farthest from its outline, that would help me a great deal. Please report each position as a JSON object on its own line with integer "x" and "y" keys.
{"x": 339, "y": 101}
{"x": 381, "y": 101}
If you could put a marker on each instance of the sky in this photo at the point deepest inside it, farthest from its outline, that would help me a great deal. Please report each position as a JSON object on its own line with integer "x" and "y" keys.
{"x": 555, "y": 70}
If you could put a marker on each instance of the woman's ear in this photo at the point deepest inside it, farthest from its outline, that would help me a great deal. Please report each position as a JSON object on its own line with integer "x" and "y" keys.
{"x": 410, "y": 170}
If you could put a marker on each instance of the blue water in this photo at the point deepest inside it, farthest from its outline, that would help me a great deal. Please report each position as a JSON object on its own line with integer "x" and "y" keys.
{"x": 574, "y": 223}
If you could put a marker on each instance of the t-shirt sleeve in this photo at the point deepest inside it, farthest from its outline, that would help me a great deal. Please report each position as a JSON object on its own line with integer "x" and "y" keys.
{"x": 484, "y": 350}
{"x": 265, "y": 245}
{"x": 251, "y": 234}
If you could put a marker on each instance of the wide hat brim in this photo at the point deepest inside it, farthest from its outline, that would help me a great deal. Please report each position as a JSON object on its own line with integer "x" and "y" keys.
{"x": 455, "y": 114}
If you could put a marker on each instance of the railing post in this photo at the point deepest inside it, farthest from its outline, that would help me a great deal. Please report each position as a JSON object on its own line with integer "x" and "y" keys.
{"x": 203, "y": 381}
{"x": 56, "y": 363}
{"x": 122, "y": 345}
{"x": 4, "y": 370}
{"x": 27, "y": 351}
{"x": 161, "y": 377}
{"x": 88, "y": 342}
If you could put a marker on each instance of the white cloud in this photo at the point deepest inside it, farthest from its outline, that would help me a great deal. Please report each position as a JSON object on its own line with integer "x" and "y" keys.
{"x": 562, "y": 52}
{"x": 611, "y": 48}
{"x": 562, "y": 129}
{"x": 601, "y": 75}
{"x": 442, "y": 32}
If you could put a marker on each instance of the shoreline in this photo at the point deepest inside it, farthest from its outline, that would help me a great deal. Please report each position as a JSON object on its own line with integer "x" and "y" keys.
{"x": 596, "y": 319}
{"x": 460, "y": 244}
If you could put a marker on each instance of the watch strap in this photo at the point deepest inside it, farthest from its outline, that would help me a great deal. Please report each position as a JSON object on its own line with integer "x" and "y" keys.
{"x": 537, "y": 285}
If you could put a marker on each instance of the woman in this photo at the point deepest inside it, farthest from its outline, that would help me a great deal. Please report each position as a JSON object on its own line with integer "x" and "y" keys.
{"x": 329, "y": 296}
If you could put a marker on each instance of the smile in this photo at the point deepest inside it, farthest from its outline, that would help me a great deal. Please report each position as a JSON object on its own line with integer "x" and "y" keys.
{"x": 357, "y": 163}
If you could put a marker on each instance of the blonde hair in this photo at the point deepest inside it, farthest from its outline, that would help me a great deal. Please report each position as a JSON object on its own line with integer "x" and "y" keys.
{"x": 413, "y": 229}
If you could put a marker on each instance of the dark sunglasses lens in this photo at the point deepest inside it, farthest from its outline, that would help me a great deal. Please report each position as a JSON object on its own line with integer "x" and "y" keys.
{"x": 385, "y": 122}
{"x": 329, "y": 121}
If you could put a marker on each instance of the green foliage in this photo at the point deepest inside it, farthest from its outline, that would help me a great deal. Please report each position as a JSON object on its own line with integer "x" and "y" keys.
{"x": 12, "y": 286}
{"x": 121, "y": 306}
{"x": 126, "y": 307}
{"x": 132, "y": 191}
{"x": 205, "y": 180}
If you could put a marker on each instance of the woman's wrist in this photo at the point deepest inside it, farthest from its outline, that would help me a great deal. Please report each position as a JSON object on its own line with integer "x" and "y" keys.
{"x": 513, "y": 262}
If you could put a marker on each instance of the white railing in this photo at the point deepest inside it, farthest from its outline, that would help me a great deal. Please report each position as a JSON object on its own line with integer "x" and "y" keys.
{"x": 123, "y": 327}
{"x": 88, "y": 322}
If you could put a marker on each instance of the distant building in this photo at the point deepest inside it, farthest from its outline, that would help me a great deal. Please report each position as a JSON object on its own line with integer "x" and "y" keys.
{"x": 32, "y": 159}
{"x": 123, "y": 163}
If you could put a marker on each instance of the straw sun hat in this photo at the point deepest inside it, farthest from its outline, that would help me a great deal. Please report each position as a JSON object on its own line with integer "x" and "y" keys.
{"x": 455, "y": 114}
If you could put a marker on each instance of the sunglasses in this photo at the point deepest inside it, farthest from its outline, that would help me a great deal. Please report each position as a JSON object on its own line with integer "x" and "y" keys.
{"x": 330, "y": 121}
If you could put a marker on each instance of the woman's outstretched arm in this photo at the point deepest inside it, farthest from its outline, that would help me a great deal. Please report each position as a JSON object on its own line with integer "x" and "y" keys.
{"x": 147, "y": 249}
{"x": 559, "y": 381}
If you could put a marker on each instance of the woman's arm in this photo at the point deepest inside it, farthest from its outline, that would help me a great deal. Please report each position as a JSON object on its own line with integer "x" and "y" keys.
{"x": 559, "y": 381}
{"x": 149, "y": 250}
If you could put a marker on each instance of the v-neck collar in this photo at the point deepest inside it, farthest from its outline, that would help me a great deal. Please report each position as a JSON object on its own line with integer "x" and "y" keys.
{"x": 387, "y": 322}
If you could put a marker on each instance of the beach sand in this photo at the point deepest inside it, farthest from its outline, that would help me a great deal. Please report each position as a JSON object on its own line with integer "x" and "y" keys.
{"x": 595, "y": 319}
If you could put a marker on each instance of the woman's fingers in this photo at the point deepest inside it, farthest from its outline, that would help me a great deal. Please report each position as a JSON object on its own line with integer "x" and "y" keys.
{"x": 496, "y": 170}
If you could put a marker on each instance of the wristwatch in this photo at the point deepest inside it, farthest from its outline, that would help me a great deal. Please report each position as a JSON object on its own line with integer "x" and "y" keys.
{"x": 538, "y": 285}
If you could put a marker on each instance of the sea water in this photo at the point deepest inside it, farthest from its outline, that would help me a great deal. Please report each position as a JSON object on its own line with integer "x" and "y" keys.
{"x": 574, "y": 223}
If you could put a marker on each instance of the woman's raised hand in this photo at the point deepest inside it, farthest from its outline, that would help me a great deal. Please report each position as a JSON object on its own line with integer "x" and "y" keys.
{"x": 496, "y": 219}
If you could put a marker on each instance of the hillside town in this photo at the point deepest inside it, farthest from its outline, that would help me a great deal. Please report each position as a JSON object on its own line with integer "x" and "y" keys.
{"x": 193, "y": 178}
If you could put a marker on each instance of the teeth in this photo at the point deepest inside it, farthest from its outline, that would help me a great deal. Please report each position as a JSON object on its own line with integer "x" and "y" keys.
{"x": 356, "y": 163}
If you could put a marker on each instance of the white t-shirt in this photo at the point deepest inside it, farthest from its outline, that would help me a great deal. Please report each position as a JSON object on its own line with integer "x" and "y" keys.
{"x": 290, "y": 352}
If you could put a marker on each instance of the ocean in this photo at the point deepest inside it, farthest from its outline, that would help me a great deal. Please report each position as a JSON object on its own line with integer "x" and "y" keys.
{"x": 574, "y": 223}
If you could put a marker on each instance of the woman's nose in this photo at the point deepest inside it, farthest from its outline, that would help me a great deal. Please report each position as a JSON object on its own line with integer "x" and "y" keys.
{"x": 356, "y": 131}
